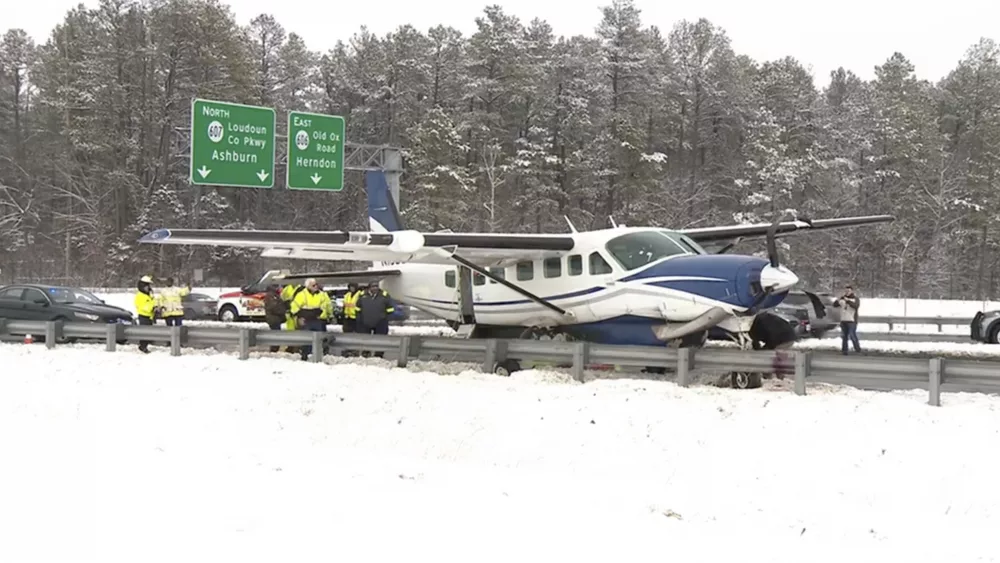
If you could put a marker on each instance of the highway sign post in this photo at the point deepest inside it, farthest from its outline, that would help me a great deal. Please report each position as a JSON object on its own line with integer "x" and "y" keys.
{"x": 315, "y": 152}
{"x": 231, "y": 145}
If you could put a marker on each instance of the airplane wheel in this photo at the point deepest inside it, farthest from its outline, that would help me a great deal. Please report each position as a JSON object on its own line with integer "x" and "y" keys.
{"x": 506, "y": 368}
{"x": 745, "y": 380}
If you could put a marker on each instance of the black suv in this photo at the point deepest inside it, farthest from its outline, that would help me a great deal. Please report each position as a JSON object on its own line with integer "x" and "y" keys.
{"x": 35, "y": 302}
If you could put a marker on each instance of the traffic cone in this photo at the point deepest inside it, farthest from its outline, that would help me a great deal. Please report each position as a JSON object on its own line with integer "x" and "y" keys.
{"x": 28, "y": 339}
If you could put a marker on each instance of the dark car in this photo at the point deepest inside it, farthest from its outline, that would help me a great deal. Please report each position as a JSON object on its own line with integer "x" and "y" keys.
{"x": 985, "y": 327}
{"x": 797, "y": 319}
{"x": 35, "y": 302}
{"x": 198, "y": 306}
{"x": 823, "y": 316}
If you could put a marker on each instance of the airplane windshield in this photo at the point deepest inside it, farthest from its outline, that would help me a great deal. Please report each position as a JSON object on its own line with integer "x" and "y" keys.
{"x": 635, "y": 250}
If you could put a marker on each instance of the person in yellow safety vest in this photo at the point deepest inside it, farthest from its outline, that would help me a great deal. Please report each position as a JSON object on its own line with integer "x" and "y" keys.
{"x": 145, "y": 307}
{"x": 287, "y": 294}
{"x": 311, "y": 309}
{"x": 351, "y": 312}
{"x": 172, "y": 302}
{"x": 351, "y": 307}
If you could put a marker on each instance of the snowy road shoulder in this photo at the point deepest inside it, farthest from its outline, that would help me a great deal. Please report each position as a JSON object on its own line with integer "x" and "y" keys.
{"x": 123, "y": 457}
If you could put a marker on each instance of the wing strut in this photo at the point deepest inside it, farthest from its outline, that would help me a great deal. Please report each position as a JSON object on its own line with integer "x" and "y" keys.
{"x": 506, "y": 283}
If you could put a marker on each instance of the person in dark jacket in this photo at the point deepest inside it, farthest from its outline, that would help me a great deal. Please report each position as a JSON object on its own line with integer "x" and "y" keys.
{"x": 275, "y": 310}
{"x": 374, "y": 308}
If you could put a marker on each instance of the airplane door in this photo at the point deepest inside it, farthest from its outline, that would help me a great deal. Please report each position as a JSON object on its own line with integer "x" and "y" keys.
{"x": 602, "y": 280}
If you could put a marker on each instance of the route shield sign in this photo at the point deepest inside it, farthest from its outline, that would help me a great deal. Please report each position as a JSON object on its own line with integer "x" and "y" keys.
{"x": 315, "y": 152}
{"x": 232, "y": 145}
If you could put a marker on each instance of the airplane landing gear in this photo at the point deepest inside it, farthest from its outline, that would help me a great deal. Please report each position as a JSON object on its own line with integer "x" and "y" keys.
{"x": 745, "y": 379}
{"x": 768, "y": 332}
{"x": 544, "y": 333}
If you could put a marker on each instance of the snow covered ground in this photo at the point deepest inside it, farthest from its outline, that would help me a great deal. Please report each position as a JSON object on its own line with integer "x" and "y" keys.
{"x": 123, "y": 457}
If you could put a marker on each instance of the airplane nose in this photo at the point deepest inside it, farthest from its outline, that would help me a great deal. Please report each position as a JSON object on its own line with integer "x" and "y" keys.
{"x": 777, "y": 278}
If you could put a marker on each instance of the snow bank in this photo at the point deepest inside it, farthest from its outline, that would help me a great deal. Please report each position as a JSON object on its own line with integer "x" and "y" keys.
{"x": 123, "y": 457}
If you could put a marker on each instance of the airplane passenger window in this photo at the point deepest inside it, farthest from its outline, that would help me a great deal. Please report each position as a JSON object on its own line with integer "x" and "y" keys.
{"x": 478, "y": 279}
{"x": 552, "y": 267}
{"x": 497, "y": 272}
{"x": 575, "y": 265}
{"x": 635, "y": 250}
{"x": 525, "y": 271}
{"x": 449, "y": 278}
{"x": 598, "y": 265}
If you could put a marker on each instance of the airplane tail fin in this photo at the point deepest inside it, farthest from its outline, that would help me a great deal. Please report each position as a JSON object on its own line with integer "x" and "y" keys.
{"x": 383, "y": 217}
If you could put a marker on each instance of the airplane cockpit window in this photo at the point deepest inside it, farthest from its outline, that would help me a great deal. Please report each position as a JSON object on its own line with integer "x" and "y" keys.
{"x": 635, "y": 250}
{"x": 449, "y": 278}
{"x": 598, "y": 265}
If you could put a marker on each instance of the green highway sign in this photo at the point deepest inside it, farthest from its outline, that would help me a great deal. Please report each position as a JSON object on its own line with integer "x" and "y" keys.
{"x": 315, "y": 152}
{"x": 231, "y": 145}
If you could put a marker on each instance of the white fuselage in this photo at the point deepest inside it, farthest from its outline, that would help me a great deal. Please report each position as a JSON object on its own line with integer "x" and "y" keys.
{"x": 590, "y": 288}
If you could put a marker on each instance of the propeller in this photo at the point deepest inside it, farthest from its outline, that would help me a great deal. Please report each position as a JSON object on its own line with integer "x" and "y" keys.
{"x": 772, "y": 246}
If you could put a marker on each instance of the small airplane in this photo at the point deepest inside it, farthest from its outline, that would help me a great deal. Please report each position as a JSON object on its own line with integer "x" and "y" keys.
{"x": 621, "y": 285}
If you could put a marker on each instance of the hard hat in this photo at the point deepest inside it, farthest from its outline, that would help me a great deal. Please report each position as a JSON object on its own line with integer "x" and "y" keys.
{"x": 146, "y": 279}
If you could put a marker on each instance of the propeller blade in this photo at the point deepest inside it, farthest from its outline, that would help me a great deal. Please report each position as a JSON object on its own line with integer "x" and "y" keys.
{"x": 772, "y": 247}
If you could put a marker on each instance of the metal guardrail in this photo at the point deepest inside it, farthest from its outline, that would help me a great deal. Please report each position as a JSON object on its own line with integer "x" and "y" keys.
{"x": 893, "y": 320}
{"x": 865, "y": 372}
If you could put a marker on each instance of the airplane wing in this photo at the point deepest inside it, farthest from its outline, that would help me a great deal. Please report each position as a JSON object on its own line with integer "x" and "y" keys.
{"x": 360, "y": 276}
{"x": 711, "y": 236}
{"x": 482, "y": 249}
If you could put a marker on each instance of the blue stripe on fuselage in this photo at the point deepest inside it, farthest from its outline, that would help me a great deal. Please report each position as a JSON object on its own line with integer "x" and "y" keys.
{"x": 734, "y": 271}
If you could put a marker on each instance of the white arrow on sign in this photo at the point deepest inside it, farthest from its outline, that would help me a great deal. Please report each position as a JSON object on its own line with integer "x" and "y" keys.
{"x": 262, "y": 175}
{"x": 204, "y": 171}
{"x": 316, "y": 178}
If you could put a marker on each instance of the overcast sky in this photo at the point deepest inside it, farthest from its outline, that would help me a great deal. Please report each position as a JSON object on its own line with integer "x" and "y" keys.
{"x": 856, "y": 34}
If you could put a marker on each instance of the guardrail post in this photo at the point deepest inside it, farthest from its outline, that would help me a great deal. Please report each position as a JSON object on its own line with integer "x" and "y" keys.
{"x": 939, "y": 325}
{"x": 936, "y": 373}
{"x": 317, "y": 346}
{"x": 175, "y": 341}
{"x": 580, "y": 357}
{"x": 404, "y": 351}
{"x": 3, "y": 326}
{"x": 496, "y": 352}
{"x": 490, "y": 359}
{"x": 111, "y": 337}
{"x": 244, "y": 342}
{"x": 685, "y": 361}
{"x": 803, "y": 365}
{"x": 53, "y": 330}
